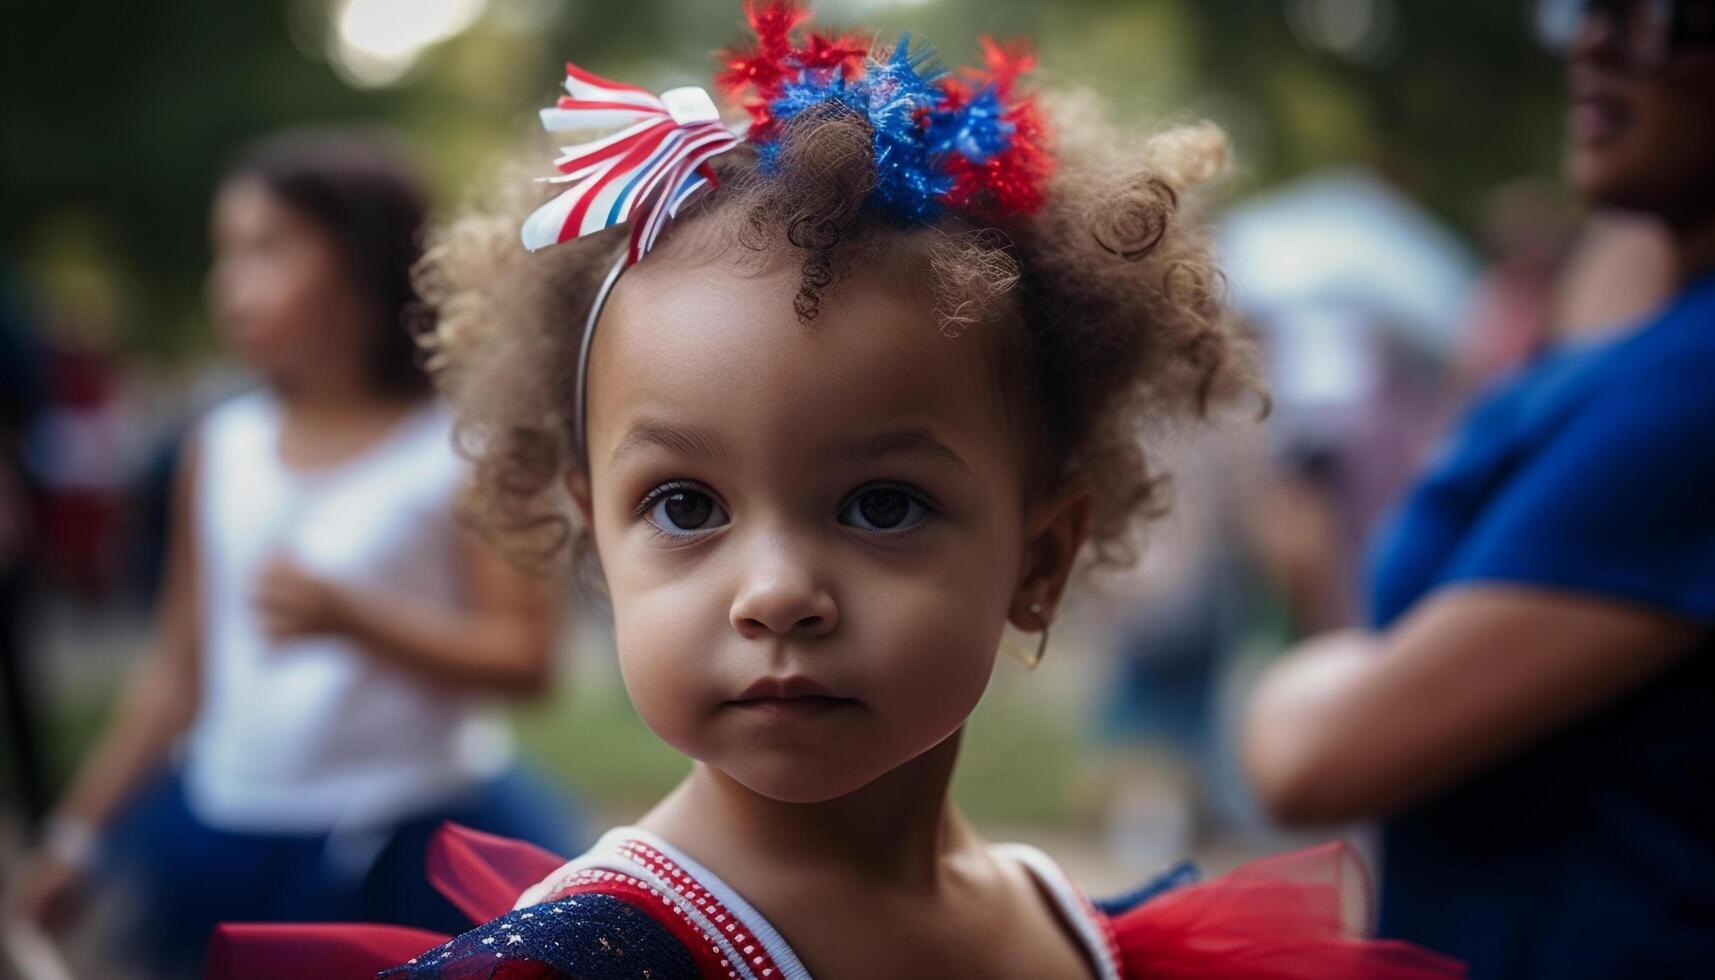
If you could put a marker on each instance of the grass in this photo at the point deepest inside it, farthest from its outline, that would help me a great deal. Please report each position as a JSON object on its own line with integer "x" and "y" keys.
{"x": 1019, "y": 765}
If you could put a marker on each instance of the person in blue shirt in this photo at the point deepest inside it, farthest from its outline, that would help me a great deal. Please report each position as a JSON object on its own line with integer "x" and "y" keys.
{"x": 1532, "y": 710}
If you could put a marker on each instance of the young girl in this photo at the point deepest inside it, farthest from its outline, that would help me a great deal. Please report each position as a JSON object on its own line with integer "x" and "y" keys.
{"x": 870, "y": 399}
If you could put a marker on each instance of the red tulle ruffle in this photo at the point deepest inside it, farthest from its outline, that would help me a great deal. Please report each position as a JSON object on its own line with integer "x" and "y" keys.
{"x": 1297, "y": 916}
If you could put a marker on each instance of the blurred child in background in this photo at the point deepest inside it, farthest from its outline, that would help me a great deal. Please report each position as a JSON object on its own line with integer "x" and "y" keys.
{"x": 317, "y": 696}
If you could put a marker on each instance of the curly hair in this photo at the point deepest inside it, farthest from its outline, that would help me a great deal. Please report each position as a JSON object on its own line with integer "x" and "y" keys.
{"x": 1107, "y": 307}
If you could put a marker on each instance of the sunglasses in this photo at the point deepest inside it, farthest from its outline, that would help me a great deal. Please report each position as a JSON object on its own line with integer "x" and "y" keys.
{"x": 1648, "y": 33}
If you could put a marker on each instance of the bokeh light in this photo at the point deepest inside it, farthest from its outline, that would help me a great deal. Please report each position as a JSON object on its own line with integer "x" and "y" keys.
{"x": 375, "y": 42}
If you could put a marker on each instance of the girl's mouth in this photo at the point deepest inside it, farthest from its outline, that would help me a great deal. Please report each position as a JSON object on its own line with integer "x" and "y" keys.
{"x": 790, "y": 697}
{"x": 806, "y": 707}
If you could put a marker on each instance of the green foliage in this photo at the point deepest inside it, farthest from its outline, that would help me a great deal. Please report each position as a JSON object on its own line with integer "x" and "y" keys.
{"x": 118, "y": 121}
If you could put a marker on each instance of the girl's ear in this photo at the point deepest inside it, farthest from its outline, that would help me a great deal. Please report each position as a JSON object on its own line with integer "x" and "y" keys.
{"x": 1055, "y": 531}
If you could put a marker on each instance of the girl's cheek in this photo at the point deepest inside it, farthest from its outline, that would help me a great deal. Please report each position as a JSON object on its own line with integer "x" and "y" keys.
{"x": 659, "y": 685}
{"x": 665, "y": 631}
{"x": 938, "y": 643}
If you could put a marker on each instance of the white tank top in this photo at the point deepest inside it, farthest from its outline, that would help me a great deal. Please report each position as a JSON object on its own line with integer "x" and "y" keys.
{"x": 314, "y": 735}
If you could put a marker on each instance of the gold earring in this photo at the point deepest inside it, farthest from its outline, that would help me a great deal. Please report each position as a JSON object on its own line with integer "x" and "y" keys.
{"x": 1042, "y": 643}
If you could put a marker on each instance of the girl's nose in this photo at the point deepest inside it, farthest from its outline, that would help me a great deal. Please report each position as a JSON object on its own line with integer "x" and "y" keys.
{"x": 782, "y": 595}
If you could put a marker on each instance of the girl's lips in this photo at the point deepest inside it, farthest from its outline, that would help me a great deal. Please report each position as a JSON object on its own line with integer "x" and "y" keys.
{"x": 806, "y": 707}
{"x": 790, "y": 697}
{"x": 794, "y": 686}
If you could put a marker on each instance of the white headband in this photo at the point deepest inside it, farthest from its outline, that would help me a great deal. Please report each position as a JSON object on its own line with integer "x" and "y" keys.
{"x": 580, "y": 399}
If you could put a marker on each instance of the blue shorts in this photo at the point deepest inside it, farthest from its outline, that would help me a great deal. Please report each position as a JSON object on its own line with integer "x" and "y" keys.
{"x": 182, "y": 877}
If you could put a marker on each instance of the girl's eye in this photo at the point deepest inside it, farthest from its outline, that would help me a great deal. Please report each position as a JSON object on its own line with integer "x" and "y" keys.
{"x": 684, "y": 510}
{"x": 885, "y": 510}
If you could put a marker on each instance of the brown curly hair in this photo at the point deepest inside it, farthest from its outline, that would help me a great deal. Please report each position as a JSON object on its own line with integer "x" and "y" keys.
{"x": 1106, "y": 306}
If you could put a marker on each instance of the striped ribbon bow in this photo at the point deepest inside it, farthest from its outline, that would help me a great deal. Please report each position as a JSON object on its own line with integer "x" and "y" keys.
{"x": 644, "y": 173}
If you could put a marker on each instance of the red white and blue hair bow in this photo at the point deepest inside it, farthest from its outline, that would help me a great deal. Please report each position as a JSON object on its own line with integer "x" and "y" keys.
{"x": 969, "y": 142}
{"x": 644, "y": 173}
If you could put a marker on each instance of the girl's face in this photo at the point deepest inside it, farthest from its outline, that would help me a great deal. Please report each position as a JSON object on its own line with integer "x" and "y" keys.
{"x": 812, "y": 536}
{"x": 278, "y": 288}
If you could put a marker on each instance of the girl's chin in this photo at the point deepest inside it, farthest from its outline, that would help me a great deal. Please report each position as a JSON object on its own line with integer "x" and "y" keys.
{"x": 810, "y": 778}
{"x": 800, "y": 785}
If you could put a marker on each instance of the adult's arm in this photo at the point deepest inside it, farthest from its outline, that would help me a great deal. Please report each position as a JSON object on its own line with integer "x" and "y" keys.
{"x": 1586, "y": 574}
{"x": 1357, "y": 725}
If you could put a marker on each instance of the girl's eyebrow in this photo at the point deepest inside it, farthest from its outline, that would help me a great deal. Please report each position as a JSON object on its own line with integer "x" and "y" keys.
{"x": 916, "y": 442}
{"x": 705, "y": 444}
{"x": 679, "y": 440}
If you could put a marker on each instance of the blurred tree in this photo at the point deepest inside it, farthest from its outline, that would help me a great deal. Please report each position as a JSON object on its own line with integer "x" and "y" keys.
{"x": 122, "y": 115}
